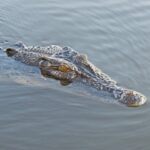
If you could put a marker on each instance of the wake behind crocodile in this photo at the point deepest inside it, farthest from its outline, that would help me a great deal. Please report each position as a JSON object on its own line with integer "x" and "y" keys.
{"x": 71, "y": 68}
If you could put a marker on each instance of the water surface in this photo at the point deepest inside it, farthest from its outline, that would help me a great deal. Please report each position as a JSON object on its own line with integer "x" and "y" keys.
{"x": 41, "y": 114}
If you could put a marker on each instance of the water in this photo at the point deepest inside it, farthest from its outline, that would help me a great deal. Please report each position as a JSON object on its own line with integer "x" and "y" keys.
{"x": 41, "y": 114}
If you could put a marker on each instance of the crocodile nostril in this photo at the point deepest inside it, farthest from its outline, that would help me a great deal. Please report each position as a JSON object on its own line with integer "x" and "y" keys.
{"x": 10, "y": 52}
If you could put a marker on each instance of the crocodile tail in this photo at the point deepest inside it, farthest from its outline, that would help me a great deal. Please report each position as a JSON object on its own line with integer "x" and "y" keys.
{"x": 10, "y": 52}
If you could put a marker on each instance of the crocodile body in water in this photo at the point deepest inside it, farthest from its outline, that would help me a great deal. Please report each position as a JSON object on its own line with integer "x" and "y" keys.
{"x": 68, "y": 65}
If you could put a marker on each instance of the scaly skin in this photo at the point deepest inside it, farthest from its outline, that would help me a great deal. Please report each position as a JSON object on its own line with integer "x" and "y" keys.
{"x": 67, "y": 65}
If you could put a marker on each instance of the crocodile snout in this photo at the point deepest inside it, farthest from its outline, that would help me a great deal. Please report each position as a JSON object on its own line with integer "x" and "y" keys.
{"x": 133, "y": 99}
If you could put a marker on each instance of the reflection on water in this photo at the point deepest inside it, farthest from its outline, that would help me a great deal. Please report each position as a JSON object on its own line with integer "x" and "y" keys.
{"x": 41, "y": 114}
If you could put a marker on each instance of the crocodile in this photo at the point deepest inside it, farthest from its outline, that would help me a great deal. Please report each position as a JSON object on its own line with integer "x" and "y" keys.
{"x": 67, "y": 65}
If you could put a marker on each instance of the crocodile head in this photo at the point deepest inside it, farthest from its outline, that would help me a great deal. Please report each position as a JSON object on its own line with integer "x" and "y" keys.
{"x": 132, "y": 98}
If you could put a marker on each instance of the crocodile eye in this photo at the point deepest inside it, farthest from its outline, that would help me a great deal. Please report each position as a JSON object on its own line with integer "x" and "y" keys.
{"x": 64, "y": 68}
{"x": 81, "y": 58}
{"x": 10, "y": 52}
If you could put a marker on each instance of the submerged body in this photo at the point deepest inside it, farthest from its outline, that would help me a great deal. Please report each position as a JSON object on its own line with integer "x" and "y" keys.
{"x": 67, "y": 65}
